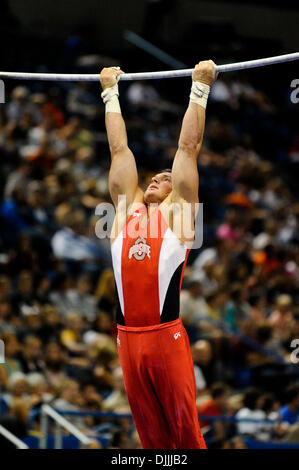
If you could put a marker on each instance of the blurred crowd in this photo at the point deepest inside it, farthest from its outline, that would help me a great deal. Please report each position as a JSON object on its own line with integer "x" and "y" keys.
{"x": 239, "y": 299}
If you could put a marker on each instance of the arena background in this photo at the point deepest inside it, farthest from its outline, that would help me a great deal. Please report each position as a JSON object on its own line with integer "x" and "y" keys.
{"x": 239, "y": 300}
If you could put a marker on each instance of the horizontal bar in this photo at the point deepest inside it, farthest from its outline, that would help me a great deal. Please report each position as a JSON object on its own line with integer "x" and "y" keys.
{"x": 94, "y": 77}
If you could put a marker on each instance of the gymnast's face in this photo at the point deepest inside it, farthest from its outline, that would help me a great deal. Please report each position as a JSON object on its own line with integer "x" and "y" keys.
{"x": 158, "y": 189}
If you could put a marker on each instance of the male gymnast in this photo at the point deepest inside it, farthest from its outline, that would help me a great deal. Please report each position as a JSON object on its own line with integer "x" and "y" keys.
{"x": 149, "y": 254}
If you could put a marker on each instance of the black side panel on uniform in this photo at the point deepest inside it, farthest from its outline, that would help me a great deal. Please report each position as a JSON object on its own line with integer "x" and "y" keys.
{"x": 171, "y": 307}
{"x": 120, "y": 319}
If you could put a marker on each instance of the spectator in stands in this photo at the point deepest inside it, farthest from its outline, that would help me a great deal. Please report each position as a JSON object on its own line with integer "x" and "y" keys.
{"x": 37, "y": 210}
{"x": 105, "y": 292}
{"x": 235, "y": 308}
{"x": 92, "y": 399}
{"x": 81, "y": 101}
{"x": 120, "y": 440}
{"x": 118, "y": 397}
{"x": 200, "y": 381}
{"x": 24, "y": 295}
{"x": 31, "y": 355}
{"x": 11, "y": 215}
{"x": 252, "y": 403}
{"x": 85, "y": 167}
{"x": 55, "y": 365}
{"x": 17, "y": 388}
{"x": 218, "y": 443}
{"x": 274, "y": 428}
{"x": 237, "y": 443}
{"x": 19, "y": 178}
{"x": 204, "y": 356}
{"x": 230, "y": 229}
{"x": 216, "y": 407}
{"x": 71, "y": 242}
{"x": 15, "y": 421}
{"x": 257, "y": 308}
{"x": 18, "y": 104}
{"x": 193, "y": 307}
{"x": 80, "y": 298}
{"x": 12, "y": 363}
{"x": 38, "y": 390}
{"x": 135, "y": 441}
{"x": 72, "y": 336}
{"x": 282, "y": 317}
{"x": 106, "y": 364}
{"x": 24, "y": 257}
{"x": 70, "y": 399}
{"x": 203, "y": 273}
{"x": 51, "y": 326}
{"x": 5, "y": 287}
{"x": 263, "y": 334}
{"x": 143, "y": 97}
{"x": 31, "y": 322}
{"x": 290, "y": 411}
{"x": 59, "y": 292}
{"x": 6, "y": 317}
{"x": 103, "y": 325}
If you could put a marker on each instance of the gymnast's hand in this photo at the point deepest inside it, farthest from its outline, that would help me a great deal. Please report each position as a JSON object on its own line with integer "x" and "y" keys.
{"x": 205, "y": 72}
{"x": 108, "y": 76}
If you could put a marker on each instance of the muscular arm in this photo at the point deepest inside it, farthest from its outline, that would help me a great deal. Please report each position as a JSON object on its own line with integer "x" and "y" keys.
{"x": 184, "y": 170}
{"x": 123, "y": 178}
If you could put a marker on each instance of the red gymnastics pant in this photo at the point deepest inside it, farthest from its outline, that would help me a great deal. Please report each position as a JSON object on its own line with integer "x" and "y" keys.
{"x": 159, "y": 380}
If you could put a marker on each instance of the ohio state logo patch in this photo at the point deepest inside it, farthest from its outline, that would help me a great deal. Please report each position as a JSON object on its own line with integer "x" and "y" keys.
{"x": 140, "y": 249}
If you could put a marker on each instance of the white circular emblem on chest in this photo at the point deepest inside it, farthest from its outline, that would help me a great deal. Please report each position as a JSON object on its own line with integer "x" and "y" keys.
{"x": 140, "y": 249}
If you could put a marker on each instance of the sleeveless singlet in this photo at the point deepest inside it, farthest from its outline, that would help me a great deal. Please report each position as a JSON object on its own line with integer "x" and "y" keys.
{"x": 148, "y": 266}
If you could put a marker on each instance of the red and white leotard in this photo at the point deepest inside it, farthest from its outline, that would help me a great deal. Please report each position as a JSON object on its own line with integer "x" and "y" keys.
{"x": 148, "y": 267}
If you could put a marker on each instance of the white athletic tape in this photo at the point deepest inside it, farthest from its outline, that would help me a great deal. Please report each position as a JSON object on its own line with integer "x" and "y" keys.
{"x": 109, "y": 93}
{"x": 199, "y": 93}
{"x": 113, "y": 106}
{"x": 110, "y": 97}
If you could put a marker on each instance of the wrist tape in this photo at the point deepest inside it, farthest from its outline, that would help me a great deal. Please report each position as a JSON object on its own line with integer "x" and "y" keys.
{"x": 110, "y": 98}
{"x": 199, "y": 93}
